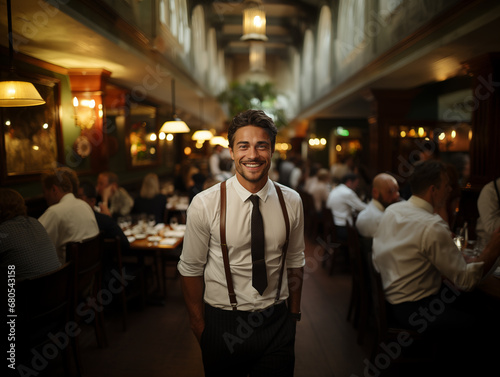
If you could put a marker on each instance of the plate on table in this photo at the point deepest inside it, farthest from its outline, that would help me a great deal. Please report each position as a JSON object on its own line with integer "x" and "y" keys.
{"x": 168, "y": 241}
{"x": 154, "y": 238}
{"x": 140, "y": 236}
{"x": 174, "y": 233}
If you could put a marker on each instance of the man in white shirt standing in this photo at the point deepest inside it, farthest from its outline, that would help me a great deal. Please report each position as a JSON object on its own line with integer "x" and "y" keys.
{"x": 344, "y": 202}
{"x": 413, "y": 250}
{"x": 67, "y": 219}
{"x": 385, "y": 191}
{"x": 251, "y": 332}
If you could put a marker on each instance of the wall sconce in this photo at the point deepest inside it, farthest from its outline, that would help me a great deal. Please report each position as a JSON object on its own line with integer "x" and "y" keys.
{"x": 317, "y": 143}
{"x": 16, "y": 93}
{"x": 85, "y": 112}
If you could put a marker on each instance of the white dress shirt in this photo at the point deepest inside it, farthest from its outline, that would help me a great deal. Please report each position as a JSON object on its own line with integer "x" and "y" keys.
{"x": 489, "y": 211}
{"x": 413, "y": 250}
{"x": 319, "y": 190}
{"x": 70, "y": 220}
{"x": 343, "y": 201}
{"x": 202, "y": 255}
{"x": 369, "y": 218}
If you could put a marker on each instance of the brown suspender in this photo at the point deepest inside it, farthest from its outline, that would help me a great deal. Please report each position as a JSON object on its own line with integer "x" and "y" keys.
{"x": 225, "y": 256}
{"x": 223, "y": 244}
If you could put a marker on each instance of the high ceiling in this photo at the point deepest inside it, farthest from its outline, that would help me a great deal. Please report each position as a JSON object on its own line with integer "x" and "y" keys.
{"x": 70, "y": 41}
{"x": 286, "y": 22}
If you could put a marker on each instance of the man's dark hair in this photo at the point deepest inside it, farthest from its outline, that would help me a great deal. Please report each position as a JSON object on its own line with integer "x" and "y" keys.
{"x": 349, "y": 177}
{"x": 88, "y": 189}
{"x": 426, "y": 174}
{"x": 11, "y": 204}
{"x": 57, "y": 178}
{"x": 256, "y": 118}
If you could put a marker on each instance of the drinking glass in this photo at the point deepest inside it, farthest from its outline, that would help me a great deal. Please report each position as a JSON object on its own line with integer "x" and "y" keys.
{"x": 174, "y": 222}
{"x": 122, "y": 223}
{"x": 151, "y": 220}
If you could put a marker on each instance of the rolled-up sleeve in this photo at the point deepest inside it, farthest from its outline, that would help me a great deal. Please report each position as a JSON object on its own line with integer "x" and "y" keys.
{"x": 449, "y": 260}
{"x": 196, "y": 241}
{"x": 295, "y": 255}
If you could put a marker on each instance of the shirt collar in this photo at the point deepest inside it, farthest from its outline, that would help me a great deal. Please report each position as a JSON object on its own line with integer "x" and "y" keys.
{"x": 421, "y": 203}
{"x": 244, "y": 194}
{"x": 67, "y": 196}
{"x": 378, "y": 205}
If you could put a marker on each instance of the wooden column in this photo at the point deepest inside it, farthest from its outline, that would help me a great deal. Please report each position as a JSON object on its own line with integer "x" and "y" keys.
{"x": 485, "y": 142}
{"x": 388, "y": 107}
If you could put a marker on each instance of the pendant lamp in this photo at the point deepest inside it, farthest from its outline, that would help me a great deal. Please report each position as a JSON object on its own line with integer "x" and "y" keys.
{"x": 14, "y": 92}
{"x": 203, "y": 134}
{"x": 176, "y": 125}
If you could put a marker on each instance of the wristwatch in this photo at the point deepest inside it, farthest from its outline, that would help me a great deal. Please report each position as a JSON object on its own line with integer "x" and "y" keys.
{"x": 296, "y": 316}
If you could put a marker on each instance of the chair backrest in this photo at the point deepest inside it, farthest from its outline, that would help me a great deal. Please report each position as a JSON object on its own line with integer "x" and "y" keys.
{"x": 43, "y": 305}
{"x": 378, "y": 300}
{"x": 87, "y": 257}
{"x": 355, "y": 257}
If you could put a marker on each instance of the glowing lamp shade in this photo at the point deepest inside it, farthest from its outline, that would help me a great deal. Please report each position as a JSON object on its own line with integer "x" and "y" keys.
{"x": 19, "y": 94}
{"x": 202, "y": 135}
{"x": 219, "y": 140}
{"x": 16, "y": 93}
{"x": 254, "y": 22}
{"x": 175, "y": 126}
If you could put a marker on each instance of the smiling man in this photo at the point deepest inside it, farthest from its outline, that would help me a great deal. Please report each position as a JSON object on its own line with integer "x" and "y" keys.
{"x": 241, "y": 279}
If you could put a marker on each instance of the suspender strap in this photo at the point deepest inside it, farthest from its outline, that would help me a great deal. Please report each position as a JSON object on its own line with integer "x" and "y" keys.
{"x": 496, "y": 189}
{"x": 225, "y": 256}
{"x": 285, "y": 246}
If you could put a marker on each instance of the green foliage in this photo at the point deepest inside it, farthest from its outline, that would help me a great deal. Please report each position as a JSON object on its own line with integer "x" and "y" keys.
{"x": 252, "y": 95}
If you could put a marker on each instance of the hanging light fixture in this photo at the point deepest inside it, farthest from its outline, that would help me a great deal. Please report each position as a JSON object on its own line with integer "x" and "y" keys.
{"x": 219, "y": 140}
{"x": 254, "y": 22}
{"x": 13, "y": 92}
{"x": 254, "y": 30}
{"x": 203, "y": 134}
{"x": 176, "y": 125}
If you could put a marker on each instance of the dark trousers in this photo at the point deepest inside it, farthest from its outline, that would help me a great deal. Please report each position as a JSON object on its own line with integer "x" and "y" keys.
{"x": 241, "y": 344}
{"x": 456, "y": 324}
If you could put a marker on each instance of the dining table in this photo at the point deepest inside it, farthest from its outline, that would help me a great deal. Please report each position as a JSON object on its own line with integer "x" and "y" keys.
{"x": 163, "y": 244}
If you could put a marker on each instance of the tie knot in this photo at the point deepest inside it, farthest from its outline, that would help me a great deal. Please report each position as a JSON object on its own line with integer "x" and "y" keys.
{"x": 255, "y": 200}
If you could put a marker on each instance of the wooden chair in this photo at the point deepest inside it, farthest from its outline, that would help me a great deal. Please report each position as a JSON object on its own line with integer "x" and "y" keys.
{"x": 385, "y": 332}
{"x": 330, "y": 242}
{"x": 136, "y": 269}
{"x": 87, "y": 257}
{"x": 310, "y": 214}
{"x": 359, "y": 304}
{"x": 43, "y": 309}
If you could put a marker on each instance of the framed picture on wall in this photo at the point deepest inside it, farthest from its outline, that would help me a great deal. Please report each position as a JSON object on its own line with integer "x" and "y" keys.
{"x": 142, "y": 136}
{"x": 31, "y": 139}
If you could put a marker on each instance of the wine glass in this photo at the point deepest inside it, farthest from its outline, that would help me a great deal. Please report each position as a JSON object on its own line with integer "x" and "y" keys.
{"x": 122, "y": 223}
{"x": 174, "y": 222}
{"x": 151, "y": 220}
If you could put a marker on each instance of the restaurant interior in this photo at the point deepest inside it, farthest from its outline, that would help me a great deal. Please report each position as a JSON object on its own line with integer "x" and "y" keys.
{"x": 150, "y": 86}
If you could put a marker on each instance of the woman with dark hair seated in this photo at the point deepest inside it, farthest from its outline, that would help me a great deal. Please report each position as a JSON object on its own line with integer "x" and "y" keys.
{"x": 24, "y": 242}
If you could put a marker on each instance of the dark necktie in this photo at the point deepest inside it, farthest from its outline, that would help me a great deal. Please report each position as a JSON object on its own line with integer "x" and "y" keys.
{"x": 259, "y": 275}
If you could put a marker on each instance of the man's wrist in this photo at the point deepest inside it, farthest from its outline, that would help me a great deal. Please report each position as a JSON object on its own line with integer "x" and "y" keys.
{"x": 296, "y": 316}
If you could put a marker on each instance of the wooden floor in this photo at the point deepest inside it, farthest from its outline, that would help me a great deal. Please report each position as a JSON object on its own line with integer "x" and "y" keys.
{"x": 158, "y": 341}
